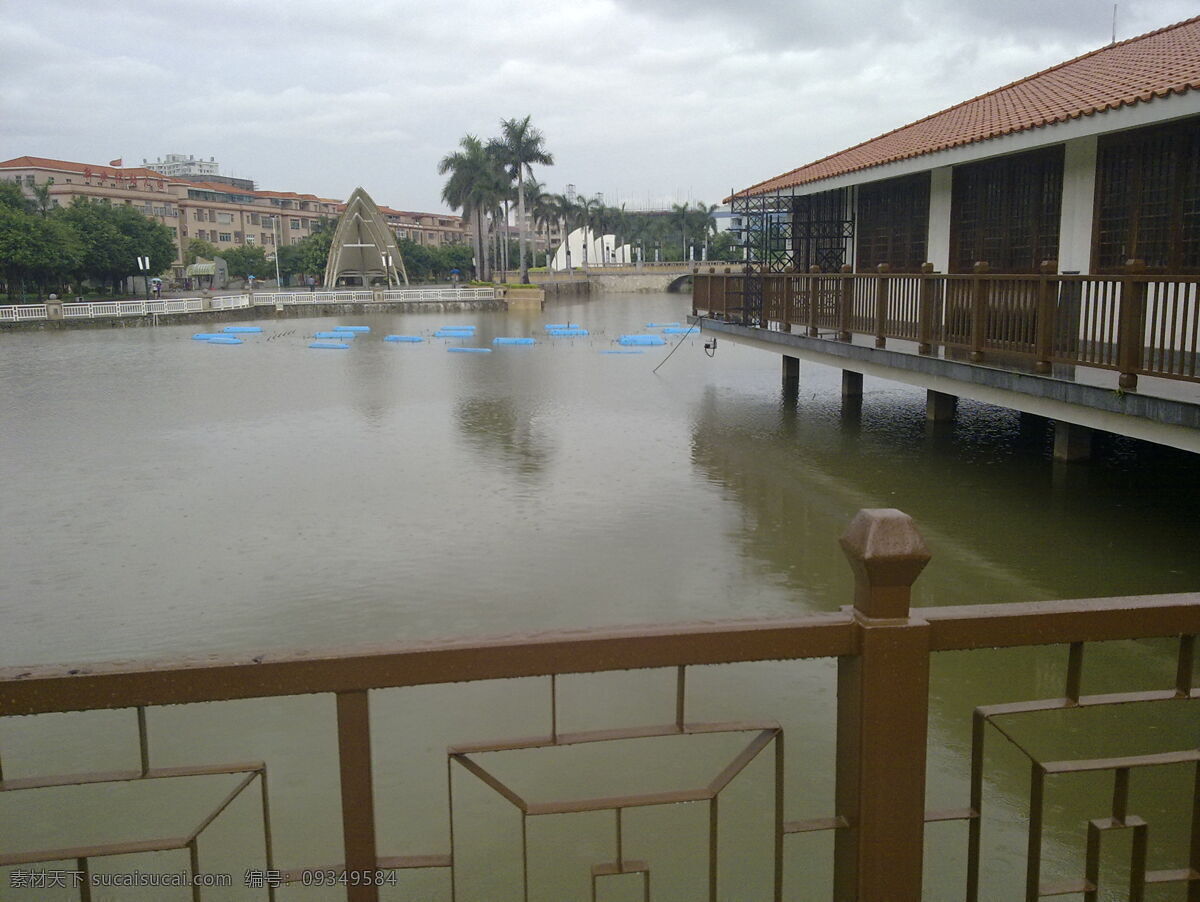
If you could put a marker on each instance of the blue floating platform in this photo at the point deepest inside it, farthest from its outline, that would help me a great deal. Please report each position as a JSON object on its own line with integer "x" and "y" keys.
{"x": 225, "y": 340}
{"x": 679, "y": 330}
{"x": 512, "y": 341}
{"x": 205, "y": 336}
{"x": 339, "y": 335}
{"x": 660, "y": 325}
{"x": 407, "y": 338}
{"x": 330, "y": 345}
{"x": 552, "y": 326}
{"x": 647, "y": 340}
{"x": 470, "y": 350}
{"x": 352, "y": 329}
{"x": 242, "y": 329}
{"x": 452, "y": 333}
{"x": 567, "y": 333}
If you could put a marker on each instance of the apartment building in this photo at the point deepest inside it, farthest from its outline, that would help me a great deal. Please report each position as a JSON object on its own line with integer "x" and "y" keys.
{"x": 222, "y": 214}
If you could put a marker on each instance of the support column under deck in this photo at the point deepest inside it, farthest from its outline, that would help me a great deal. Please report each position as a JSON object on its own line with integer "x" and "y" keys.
{"x": 791, "y": 372}
{"x": 1072, "y": 442}
{"x": 852, "y": 384}
{"x": 939, "y": 406}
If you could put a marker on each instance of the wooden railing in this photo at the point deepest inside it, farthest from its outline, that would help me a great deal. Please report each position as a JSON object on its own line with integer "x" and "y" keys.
{"x": 883, "y": 651}
{"x": 1134, "y": 323}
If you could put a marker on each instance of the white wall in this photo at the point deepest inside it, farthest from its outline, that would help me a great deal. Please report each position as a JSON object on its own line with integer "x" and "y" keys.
{"x": 937, "y": 247}
{"x": 1078, "y": 202}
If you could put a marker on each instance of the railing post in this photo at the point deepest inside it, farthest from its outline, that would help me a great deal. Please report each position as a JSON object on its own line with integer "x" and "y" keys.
{"x": 1131, "y": 328}
{"x": 882, "y": 717}
{"x": 845, "y": 302}
{"x": 813, "y": 299}
{"x": 881, "y": 305}
{"x": 358, "y": 795}
{"x": 1044, "y": 335}
{"x": 789, "y": 297}
{"x": 979, "y": 305}
{"x": 925, "y": 302}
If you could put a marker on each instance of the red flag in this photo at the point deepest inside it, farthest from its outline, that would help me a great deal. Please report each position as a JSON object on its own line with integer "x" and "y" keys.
{"x": 119, "y": 161}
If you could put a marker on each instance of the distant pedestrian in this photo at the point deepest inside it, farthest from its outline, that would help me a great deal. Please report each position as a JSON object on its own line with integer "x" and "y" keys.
{"x": 157, "y": 289}
{"x": 312, "y": 284}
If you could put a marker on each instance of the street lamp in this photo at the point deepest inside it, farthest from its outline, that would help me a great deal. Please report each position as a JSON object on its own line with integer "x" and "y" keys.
{"x": 275, "y": 237}
{"x": 657, "y": 251}
{"x": 387, "y": 267}
{"x": 144, "y": 266}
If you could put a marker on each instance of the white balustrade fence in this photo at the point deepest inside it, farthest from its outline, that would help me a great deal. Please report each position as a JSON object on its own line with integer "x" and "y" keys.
{"x": 23, "y": 311}
{"x": 17, "y": 312}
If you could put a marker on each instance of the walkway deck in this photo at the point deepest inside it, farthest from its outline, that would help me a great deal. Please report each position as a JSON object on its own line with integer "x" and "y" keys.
{"x": 1041, "y": 375}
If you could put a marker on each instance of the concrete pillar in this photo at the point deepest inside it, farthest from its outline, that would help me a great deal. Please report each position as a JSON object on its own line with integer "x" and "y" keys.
{"x": 941, "y": 182}
{"x": 1072, "y": 442}
{"x": 1078, "y": 201}
{"x": 54, "y": 308}
{"x": 851, "y": 384}
{"x": 939, "y": 406}
{"x": 1030, "y": 425}
{"x": 791, "y": 372}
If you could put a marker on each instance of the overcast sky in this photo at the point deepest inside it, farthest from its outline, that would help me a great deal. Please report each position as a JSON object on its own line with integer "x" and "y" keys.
{"x": 648, "y": 101}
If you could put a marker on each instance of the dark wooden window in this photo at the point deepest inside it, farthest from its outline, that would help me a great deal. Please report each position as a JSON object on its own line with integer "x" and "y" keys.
{"x": 1005, "y": 212}
{"x": 821, "y": 230}
{"x": 1148, "y": 199}
{"x": 893, "y": 223}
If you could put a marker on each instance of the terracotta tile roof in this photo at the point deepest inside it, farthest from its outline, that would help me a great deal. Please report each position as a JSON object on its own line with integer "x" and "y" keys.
{"x": 98, "y": 169}
{"x": 1156, "y": 64}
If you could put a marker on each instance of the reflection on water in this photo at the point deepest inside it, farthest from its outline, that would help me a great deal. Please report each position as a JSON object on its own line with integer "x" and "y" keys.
{"x": 162, "y": 497}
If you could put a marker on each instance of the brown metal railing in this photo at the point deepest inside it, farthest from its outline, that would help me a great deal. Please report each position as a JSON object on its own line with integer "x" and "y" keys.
{"x": 1133, "y": 323}
{"x": 883, "y": 650}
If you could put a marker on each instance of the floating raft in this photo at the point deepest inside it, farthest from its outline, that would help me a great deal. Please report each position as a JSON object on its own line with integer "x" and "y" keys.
{"x": 454, "y": 333}
{"x": 408, "y": 338}
{"x": 660, "y": 325}
{"x": 330, "y": 345}
{"x": 225, "y": 340}
{"x": 647, "y": 340}
{"x": 552, "y": 326}
{"x": 206, "y": 336}
{"x": 513, "y": 341}
{"x": 567, "y": 333}
{"x": 470, "y": 350}
{"x": 338, "y": 335}
{"x": 679, "y": 330}
{"x": 242, "y": 329}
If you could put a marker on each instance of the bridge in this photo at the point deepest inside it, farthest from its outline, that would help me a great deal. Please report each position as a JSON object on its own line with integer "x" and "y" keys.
{"x": 664, "y": 276}
{"x": 1112, "y": 353}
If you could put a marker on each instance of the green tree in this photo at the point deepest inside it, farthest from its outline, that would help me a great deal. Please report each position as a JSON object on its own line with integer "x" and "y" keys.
{"x": 475, "y": 186}
{"x": 419, "y": 261}
{"x": 198, "y": 247}
{"x": 518, "y": 148}
{"x": 113, "y": 237}
{"x": 246, "y": 260}
{"x": 12, "y": 197}
{"x": 37, "y": 249}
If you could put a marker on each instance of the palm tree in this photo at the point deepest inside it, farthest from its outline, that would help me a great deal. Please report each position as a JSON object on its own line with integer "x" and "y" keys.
{"x": 474, "y": 185}
{"x": 683, "y": 211}
{"x": 708, "y": 221}
{"x": 585, "y": 211}
{"x": 566, "y": 211}
{"x": 542, "y": 209}
{"x": 518, "y": 148}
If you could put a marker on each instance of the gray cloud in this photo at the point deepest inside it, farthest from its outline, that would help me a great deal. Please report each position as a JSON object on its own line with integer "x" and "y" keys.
{"x": 644, "y": 100}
